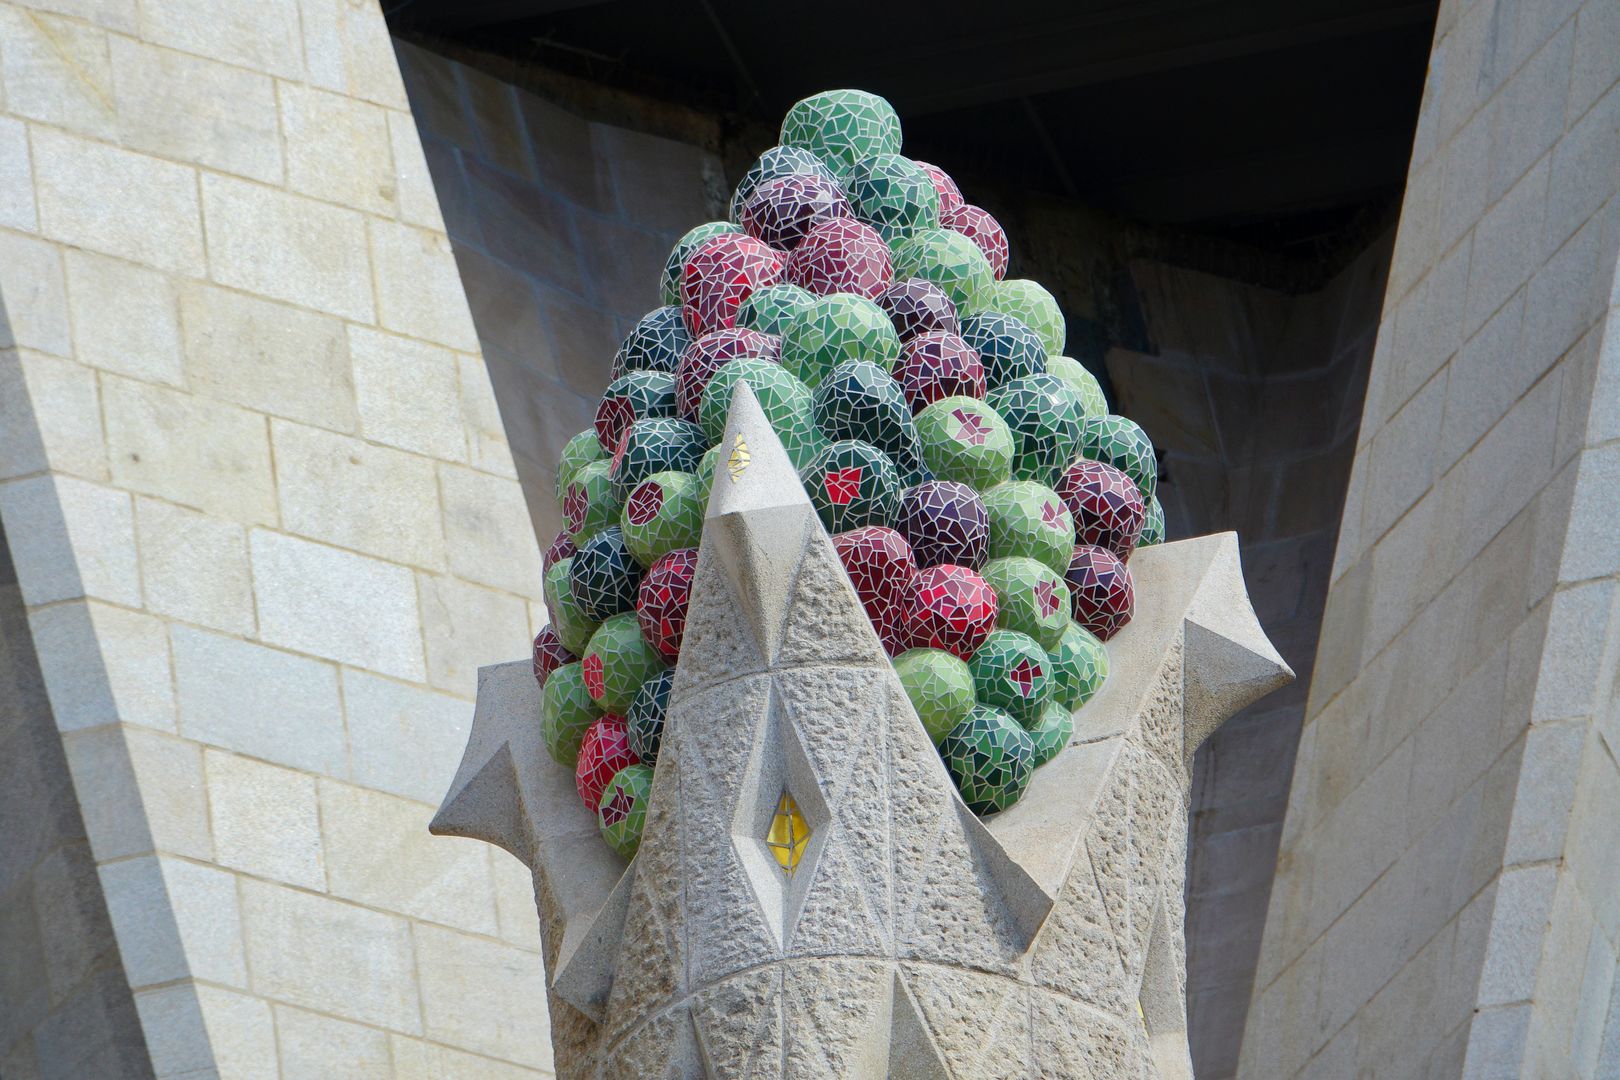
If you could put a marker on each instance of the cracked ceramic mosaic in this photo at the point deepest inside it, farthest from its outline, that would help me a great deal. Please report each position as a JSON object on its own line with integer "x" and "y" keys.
{"x": 785, "y": 400}
{"x": 1082, "y": 382}
{"x": 965, "y": 440}
{"x": 561, "y": 546}
{"x": 950, "y": 196}
{"x": 1026, "y": 518}
{"x": 940, "y": 687}
{"x": 669, "y": 284}
{"x": 917, "y": 307}
{"x": 1031, "y": 597}
{"x": 617, "y": 661}
{"x": 860, "y": 400}
{"x": 950, "y": 261}
{"x": 645, "y": 719}
{"x": 841, "y": 127}
{"x": 549, "y": 654}
{"x": 775, "y": 162}
{"x": 603, "y": 751}
{"x": 881, "y": 567}
{"x": 891, "y": 194}
{"x": 768, "y": 310}
{"x": 1106, "y": 505}
{"x": 621, "y": 809}
{"x": 1033, "y": 306}
{"x": 591, "y": 501}
{"x": 720, "y": 274}
{"x": 656, "y": 444}
{"x": 1045, "y": 422}
{"x": 1007, "y": 348}
{"x": 985, "y": 233}
{"x": 1100, "y": 585}
{"x": 938, "y": 364}
{"x": 1079, "y": 666}
{"x": 851, "y": 484}
{"x": 946, "y": 523}
{"x": 661, "y": 603}
{"x": 655, "y": 343}
{"x": 708, "y": 354}
{"x": 566, "y": 712}
{"x": 629, "y": 398}
{"x": 574, "y": 628}
{"x": 781, "y": 211}
{"x": 835, "y": 329}
{"x": 1118, "y": 441}
{"x": 952, "y": 608}
{"x": 604, "y": 576}
{"x": 578, "y": 452}
{"x": 991, "y": 758}
{"x": 1152, "y": 524}
{"x": 1013, "y": 673}
{"x": 841, "y": 255}
{"x": 664, "y": 512}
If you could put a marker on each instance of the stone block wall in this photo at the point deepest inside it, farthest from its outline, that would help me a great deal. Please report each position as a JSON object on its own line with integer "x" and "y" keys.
{"x": 265, "y": 526}
{"x": 1443, "y": 905}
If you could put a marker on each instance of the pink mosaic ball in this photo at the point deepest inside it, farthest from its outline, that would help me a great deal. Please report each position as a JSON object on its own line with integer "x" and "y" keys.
{"x": 661, "y": 602}
{"x": 986, "y": 232}
{"x": 1100, "y": 590}
{"x": 1106, "y": 505}
{"x": 782, "y": 211}
{"x": 708, "y": 354}
{"x": 561, "y": 548}
{"x": 722, "y": 273}
{"x": 951, "y": 608}
{"x": 881, "y": 567}
{"x": 936, "y": 365}
{"x": 604, "y": 751}
{"x": 549, "y": 655}
{"x": 919, "y": 307}
{"x": 841, "y": 256}
{"x": 950, "y": 196}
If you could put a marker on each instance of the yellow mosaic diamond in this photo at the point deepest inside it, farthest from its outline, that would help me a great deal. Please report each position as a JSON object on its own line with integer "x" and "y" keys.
{"x": 737, "y": 464}
{"x": 789, "y": 834}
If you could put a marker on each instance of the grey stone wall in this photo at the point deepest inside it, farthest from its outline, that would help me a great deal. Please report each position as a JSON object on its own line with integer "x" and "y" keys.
{"x": 1443, "y": 904}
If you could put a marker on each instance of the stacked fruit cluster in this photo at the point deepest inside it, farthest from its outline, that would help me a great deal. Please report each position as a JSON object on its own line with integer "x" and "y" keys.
{"x": 982, "y": 498}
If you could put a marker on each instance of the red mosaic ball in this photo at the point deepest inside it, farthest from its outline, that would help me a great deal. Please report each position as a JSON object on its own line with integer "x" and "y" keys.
{"x": 986, "y": 232}
{"x": 604, "y": 751}
{"x": 950, "y": 196}
{"x": 918, "y": 307}
{"x": 841, "y": 256}
{"x": 936, "y": 365}
{"x": 666, "y": 589}
{"x": 945, "y": 523}
{"x": 951, "y": 608}
{"x": 1100, "y": 590}
{"x": 881, "y": 567}
{"x": 561, "y": 548}
{"x": 549, "y": 655}
{"x": 708, "y": 354}
{"x": 1106, "y": 505}
{"x": 722, "y": 273}
{"x": 782, "y": 211}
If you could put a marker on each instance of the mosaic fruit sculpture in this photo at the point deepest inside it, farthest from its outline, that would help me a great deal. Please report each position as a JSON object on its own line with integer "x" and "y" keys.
{"x": 983, "y": 501}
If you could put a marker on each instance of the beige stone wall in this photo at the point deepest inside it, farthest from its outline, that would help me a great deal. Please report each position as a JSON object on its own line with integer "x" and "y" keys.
{"x": 1443, "y": 905}
{"x": 265, "y": 527}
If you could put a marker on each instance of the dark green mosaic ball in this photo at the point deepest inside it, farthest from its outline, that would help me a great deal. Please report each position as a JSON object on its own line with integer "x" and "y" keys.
{"x": 669, "y": 284}
{"x": 1029, "y": 519}
{"x": 591, "y": 502}
{"x": 1007, "y": 348}
{"x": 894, "y": 196}
{"x": 1032, "y": 305}
{"x": 785, "y": 401}
{"x": 851, "y": 484}
{"x": 834, "y": 329}
{"x": 1120, "y": 442}
{"x": 842, "y": 126}
{"x": 622, "y": 813}
{"x": 630, "y": 397}
{"x": 1044, "y": 417}
{"x": 860, "y": 400}
{"x": 645, "y": 720}
{"x": 940, "y": 687}
{"x": 768, "y": 310}
{"x": 991, "y": 758}
{"x": 965, "y": 440}
{"x": 617, "y": 661}
{"x": 1087, "y": 390}
{"x": 566, "y": 710}
{"x": 1152, "y": 525}
{"x": 949, "y": 260}
{"x": 664, "y": 513}
{"x": 705, "y": 471}
{"x": 1031, "y": 598}
{"x": 656, "y": 444}
{"x": 577, "y": 452}
{"x": 1051, "y": 732}
{"x": 1011, "y": 671}
{"x": 603, "y": 576}
{"x": 574, "y": 628}
{"x": 1079, "y": 667}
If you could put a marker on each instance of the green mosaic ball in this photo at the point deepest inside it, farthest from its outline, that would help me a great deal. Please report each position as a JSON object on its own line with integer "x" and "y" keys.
{"x": 566, "y": 710}
{"x": 705, "y": 471}
{"x": 577, "y": 452}
{"x": 768, "y": 310}
{"x": 622, "y": 813}
{"x": 1044, "y": 418}
{"x": 784, "y": 400}
{"x": 834, "y": 329}
{"x": 591, "y": 501}
{"x": 574, "y": 627}
{"x": 949, "y": 260}
{"x": 860, "y": 400}
{"x": 1028, "y": 302}
{"x": 891, "y": 194}
{"x": 1120, "y": 442}
{"x": 991, "y": 758}
{"x": 1031, "y": 598}
{"x": 656, "y": 444}
{"x": 655, "y": 343}
{"x": 1079, "y": 667}
{"x": 1029, "y": 519}
{"x": 645, "y": 720}
{"x": 663, "y": 513}
{"x": 842, "y": 126}
{"x": 1007, "y": 348}
{"x": 1152, "y": 524}
{"x": 1087, "y": 390}
{"x": 1051, "y": 732}
{"x": 1011, "y": 671}
{"x": 669, "y": 284}
{"x": 630, "y": 397}
{"x": 965, "y": 440}
{"x": 940, "y": 687}
{"x": 852, "y": 484}
{"x": 616, "y": 661}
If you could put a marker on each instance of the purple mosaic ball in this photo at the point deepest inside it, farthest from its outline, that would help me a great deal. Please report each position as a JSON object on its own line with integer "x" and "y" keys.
{"x": 945, "y": 523}
{"x": 919, "y": 307}
{"x": 782, "y": 211}
{"x": 938, "y": 364}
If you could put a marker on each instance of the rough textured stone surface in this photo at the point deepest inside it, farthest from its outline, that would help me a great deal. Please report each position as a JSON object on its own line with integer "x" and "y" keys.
{"x": 909, "y": 933}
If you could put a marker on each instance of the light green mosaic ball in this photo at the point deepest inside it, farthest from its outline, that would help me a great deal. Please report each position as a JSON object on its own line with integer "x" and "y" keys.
{"x": 768, "y": 310}
{"x": 1082, "y": 382}
{"x": 834, "y": 329}
{"x": 1028, "y": 301}
{"x": 1152, "y": 524}
{"x": 843, "y": 126}
{"x": 574, "y": 627}
{"x": 1029, "y": 519}
{"x": 991, "y": 758}
{"x": 1045, "y": 421}
{"x": 894, "y": 196}
{"x": 664, "y": 513}
{"x": 591, "y": 501}
{"x": 940, "y": 687}
{"x": 949, "y": 260}
{"x": 622, "y": 813}
{"x": 1051, "y": 732}
{"x": 1031, "y": 598}
{"x": 566, "y": 710}
{"x": 1011, "y": 671}
{"x": 784, "y": 400}
{"x": 669, "y": 284}
{"x": 577, "y": 452}
{"x": 1120, "y": 442}
{"x": 1079, "y": 667}
{"x": 965, "y": 440}
{"x": 616, "y": 661}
